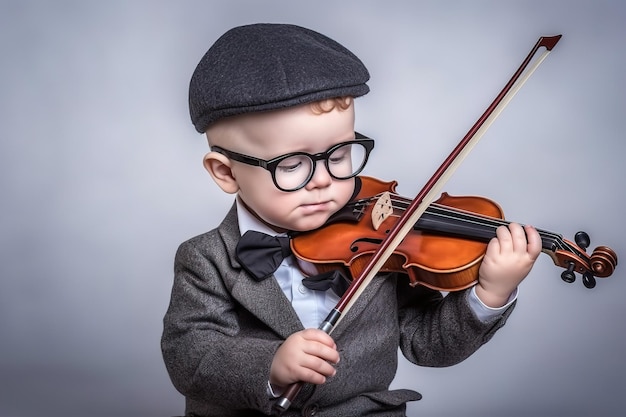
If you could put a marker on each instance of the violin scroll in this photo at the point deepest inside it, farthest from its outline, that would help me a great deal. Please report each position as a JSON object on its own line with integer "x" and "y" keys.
{"x": 601, "y": 263}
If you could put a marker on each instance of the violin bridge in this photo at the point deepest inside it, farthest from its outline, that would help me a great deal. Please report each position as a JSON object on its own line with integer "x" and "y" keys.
{"x": 382, "y": 209}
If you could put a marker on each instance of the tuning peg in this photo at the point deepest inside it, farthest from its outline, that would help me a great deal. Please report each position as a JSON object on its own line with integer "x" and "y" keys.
{"x": 568, "y": 275}
{"x": 582, "y": 240}
{"x": 588, "y": 280}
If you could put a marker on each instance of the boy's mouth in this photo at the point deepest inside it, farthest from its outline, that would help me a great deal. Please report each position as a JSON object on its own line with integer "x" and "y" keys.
{"x": 318, "y": 206}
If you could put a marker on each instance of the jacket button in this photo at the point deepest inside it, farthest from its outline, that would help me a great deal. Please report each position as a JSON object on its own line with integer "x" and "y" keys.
{"x": 310, "y": 410}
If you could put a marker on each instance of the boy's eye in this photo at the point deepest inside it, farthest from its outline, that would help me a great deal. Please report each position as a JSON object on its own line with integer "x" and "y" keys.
{"x": 339, "y": 155}
{"x": 289, "y": 168}
{"x": 291, "y": 164}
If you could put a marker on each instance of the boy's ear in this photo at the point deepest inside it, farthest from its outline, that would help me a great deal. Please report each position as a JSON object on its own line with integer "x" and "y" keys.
{"x": 219, "y": 167}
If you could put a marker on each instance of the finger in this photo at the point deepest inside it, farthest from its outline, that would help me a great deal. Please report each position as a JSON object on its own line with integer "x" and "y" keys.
{"x": 315, "y": 374}
{"x": 325, "y": 353}
{"x": 317, "y": 335}
{"x": 518, "y": 237}
{"x": 318, "y": 366}
{"x": 505, "y": 240}
{"x": 534, "y": 245}
{"x": 493, "y": 248}
{"x": 314, "y": 367}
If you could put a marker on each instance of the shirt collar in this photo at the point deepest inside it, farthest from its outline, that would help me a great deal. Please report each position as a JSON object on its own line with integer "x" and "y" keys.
{"x": 247, "y": 221}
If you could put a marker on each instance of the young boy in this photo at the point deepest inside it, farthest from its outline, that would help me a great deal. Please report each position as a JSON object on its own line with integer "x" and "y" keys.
{"x": 276, "y": 104}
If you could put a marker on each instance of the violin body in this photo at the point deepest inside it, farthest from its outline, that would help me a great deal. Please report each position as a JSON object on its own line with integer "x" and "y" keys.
{"x": 436, "y": 261}
{"x": 443, "y": 251}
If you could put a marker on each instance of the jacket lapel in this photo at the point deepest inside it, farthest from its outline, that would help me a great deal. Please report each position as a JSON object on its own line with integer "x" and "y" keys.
{"x": 266, "y": 301}
{"x": 263, "y": 299}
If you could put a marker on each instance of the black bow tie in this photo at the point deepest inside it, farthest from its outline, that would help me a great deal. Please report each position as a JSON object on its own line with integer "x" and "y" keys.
{"x": 261, "y": 255}
{"x": 333, "y": 280}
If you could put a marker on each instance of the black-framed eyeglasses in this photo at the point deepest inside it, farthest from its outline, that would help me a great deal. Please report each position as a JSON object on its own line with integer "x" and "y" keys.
{"x": 292, "y": 171}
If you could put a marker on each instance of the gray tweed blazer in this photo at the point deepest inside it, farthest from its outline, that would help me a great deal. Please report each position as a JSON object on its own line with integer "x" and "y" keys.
{"x": 222, "y": 328}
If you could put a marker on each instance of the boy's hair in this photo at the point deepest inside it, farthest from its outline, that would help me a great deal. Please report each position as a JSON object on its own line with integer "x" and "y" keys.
{"x": 264, "y": 67}
{"x": 317, "y": 107}
{"x": 330, "y": 104}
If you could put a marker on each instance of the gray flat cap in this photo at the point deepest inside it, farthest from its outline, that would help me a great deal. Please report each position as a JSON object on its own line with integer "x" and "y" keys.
{"x": 265, "y": 66}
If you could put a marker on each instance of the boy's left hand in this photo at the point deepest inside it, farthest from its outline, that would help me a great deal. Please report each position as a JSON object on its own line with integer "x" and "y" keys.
{"x": 509, "y": 258}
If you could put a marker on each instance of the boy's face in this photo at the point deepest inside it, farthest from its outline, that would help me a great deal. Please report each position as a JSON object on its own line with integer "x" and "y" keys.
{"x": 272, "y": 134}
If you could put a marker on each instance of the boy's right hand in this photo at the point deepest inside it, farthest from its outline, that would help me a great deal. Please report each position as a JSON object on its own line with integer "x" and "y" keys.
{"x": 306, "y": 356}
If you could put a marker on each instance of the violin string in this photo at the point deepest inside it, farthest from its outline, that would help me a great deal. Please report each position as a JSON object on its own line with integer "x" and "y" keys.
{"x": 554, "y": 240}
{"x": 442, "y": 211}
{"x": 477, "y": 219}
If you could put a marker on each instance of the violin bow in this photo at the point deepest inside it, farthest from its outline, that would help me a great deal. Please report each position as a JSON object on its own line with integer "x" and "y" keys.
{"x": 425, "y": 197}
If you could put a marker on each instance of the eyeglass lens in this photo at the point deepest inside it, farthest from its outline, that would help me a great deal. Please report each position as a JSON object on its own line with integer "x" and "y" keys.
{"x": 344, "y": 162}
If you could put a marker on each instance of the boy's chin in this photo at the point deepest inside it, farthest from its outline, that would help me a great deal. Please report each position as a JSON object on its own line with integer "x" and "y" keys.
{"x": 310, "y": 225}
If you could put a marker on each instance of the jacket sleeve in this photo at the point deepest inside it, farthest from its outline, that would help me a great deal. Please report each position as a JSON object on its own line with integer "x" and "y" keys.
{"x": 206, "y": 357}
{"x": 441, "y": 331}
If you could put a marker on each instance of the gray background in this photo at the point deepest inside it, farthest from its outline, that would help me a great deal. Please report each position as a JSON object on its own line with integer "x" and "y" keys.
{"x": 101, "y": 179}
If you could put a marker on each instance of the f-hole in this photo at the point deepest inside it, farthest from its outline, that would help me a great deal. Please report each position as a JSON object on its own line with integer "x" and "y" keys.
{"x": 355, "y": 245}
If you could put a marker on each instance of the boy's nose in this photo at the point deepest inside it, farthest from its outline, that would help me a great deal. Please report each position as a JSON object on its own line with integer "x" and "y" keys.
{"x": 321, "y": 176}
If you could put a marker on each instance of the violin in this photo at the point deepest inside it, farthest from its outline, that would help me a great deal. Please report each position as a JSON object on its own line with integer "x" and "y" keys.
{"x": 438, "y": 242}
{"x": 445, "y": 248}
